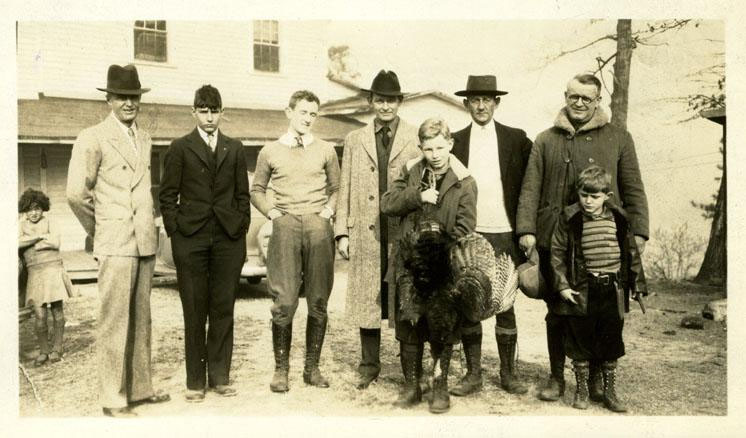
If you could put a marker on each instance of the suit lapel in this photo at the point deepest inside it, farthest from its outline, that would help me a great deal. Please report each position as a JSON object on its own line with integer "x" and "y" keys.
{"x": 448, "y": 181}
{"x": 503, "y": 153}
{"x": 369, "y": 142}
{"x": 222, "y": 149}
{"x": 198, "y": 146}
{"x": 120, "y": 143}
{"x": 142, "y": 151}
{"x": 461, "y": 148}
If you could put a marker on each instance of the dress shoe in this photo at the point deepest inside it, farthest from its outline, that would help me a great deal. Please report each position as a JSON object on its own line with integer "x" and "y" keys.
{"x": 223, "y": 390}
{"x": 194, "y": 396}
{"x": 153, "y": 399}
{"x": 124, "y": 412}
{"x": 41, "y": 359}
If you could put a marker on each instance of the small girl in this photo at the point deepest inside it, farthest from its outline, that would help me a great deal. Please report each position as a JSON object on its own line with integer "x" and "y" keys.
{"x": 47, "y": 284}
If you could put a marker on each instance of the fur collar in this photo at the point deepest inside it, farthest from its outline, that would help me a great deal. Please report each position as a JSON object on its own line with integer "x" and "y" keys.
{"x": 456, "y": 166}
{"x": 598, "y": 120}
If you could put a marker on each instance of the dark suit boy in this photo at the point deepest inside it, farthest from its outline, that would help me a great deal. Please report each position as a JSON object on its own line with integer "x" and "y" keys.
{"x": 481, "y": 146}
{"x": 205, "y": 204}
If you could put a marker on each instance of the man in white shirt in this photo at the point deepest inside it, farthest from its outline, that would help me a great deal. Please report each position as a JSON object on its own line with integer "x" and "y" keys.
{"x": 499, "y": 155}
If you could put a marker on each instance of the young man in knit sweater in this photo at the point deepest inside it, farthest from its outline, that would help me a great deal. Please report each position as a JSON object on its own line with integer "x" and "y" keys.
{"x": 304, "y": 173}
{"x": 596, "y": 269}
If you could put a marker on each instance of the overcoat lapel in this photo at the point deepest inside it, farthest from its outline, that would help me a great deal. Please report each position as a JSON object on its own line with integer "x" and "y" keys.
{"x": 222, "y": 150}
{"x": 398, "y": 145}
{"x": 198, "y": 146}
{"x": 120, "y": 143}
{"x": 369, "y": 142}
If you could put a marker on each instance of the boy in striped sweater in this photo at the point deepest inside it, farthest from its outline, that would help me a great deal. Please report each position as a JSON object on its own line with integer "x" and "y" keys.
{"x": 596, "y": 269}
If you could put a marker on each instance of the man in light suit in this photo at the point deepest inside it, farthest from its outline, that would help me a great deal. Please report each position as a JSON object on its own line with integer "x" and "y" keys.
{"x": 205, "y": 204}
{"x": 371, "y": 160}
{"x": 108, "y": 189}
{"x": 496, "y": 156}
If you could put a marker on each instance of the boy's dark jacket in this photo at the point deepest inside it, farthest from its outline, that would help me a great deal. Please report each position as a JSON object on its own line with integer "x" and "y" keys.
{"x": 568, "y": 263}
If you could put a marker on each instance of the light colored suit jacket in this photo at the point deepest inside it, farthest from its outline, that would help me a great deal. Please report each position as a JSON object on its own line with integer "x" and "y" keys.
{"x": 358, "y": 212}
{"x": 108, "y": 189}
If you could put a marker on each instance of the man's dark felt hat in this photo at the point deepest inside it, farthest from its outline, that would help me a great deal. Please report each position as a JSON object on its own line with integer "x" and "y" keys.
{"x": 123, "y": 80}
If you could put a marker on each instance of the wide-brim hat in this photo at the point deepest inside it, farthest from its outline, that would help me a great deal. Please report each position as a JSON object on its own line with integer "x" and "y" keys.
{"x": 531, "y": 282}
{"x": 123, "y": 80}
{"x": 485, "y": 85}
{"x": 386, "y": 83}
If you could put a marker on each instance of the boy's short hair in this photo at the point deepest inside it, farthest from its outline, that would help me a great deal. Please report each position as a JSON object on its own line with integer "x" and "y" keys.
{"x": 432, "y": 128}
{"x": 32, "y": 197}
{"x": 303, "y": 95}
{"x": 208, "y": 96}
{"x": 594, "y": 179}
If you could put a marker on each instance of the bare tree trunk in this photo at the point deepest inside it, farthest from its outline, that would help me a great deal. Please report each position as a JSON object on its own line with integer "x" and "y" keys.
{"x": 714, "y": 269}
{"x": 622, "y": 64}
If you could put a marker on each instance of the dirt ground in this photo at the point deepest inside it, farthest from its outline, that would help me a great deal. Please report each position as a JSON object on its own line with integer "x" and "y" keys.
{"x": 668, "y": 370}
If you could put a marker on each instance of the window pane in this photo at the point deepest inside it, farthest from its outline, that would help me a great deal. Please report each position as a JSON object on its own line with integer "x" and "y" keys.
{"x": 139, "y": 23}
{"x": 274, "y": 58}
{"x": 161, "y": 25}
{"x": 274, "y": 32}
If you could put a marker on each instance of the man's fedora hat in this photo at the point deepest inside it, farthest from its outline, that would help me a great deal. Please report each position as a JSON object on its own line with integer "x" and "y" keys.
{"x": 480, "y": 86}
{"x": 123, "y": 80}
{"x": 386, "y": 83}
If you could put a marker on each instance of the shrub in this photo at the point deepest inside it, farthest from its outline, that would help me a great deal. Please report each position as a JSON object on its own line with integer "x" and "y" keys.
{"x": 673, "y": 254}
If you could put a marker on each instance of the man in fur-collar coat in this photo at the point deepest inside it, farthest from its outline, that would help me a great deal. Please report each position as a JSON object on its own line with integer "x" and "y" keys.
{"x": 581, "y": 136}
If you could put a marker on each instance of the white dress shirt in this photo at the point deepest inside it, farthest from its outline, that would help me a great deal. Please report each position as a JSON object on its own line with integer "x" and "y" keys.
{"x": 206, "y": 139}
{"x": 484, "y": 165}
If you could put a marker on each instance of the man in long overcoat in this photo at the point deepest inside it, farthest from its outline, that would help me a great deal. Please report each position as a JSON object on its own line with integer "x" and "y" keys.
{"x": 108, "y": 189}
{"x": 371, "y": 160}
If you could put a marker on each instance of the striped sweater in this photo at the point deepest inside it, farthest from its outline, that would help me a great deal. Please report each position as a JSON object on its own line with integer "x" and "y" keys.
{"x": 599, "y": 243}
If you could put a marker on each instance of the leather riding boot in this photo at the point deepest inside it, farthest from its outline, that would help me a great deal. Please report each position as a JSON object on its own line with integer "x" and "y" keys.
{"x": 411, "y": 364}
{"x": 42, "y": 335}
{"x": 595, "y": 382}
{"x": 370, "y": 363}
{"x": 315, "y": 331}
{"x": 581, "y": 376}
{"x": 281, "y": 337}
{"x": 57, "y": 339}
{"x": 440, "y": 401}
{"x": 611, "y": 401}
{"x": 508, "y": 379}
{"x": 472, "y": 380}
{"x": 555, "y": 387}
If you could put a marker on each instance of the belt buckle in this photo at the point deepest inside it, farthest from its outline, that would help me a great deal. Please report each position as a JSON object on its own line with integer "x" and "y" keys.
{"x": 602, "y": 279}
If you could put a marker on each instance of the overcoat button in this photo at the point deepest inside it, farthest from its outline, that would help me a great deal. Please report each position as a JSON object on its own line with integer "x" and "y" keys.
{"x": 371, "y": 227}
{"x": 124, "y": 167}
{"x": 589, "y": 138}
{"x": 371, "y": 197}
{"x": 591, "y": 160}
{"x": 372, "y": 169}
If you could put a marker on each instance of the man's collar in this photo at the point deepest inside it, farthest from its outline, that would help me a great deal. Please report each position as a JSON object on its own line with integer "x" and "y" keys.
{"x": 123, "y": 126}
{"x": 203, "y": 134}
{"x": 378, "y": 124}
{"x": 288, "y": 139}
{"x": 478, "y": 127}
{"x": 598, "y": 120}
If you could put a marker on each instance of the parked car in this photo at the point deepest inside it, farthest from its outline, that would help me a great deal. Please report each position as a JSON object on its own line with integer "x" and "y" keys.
{"x": 257, "y": 239}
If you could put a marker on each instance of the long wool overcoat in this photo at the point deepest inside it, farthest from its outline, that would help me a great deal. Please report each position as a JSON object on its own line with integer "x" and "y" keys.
{"x": 357, "y": 216}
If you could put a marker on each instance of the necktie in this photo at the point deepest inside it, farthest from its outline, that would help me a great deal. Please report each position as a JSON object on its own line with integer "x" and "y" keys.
{"x": 131, "y": 133}
{"x": 211, "y": 141}
{"x": 299, "y": 141}
{"x": 385, "y": 139}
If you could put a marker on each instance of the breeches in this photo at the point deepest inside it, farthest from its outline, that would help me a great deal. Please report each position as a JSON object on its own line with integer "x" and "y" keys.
{"x": 301, "y": 249}
{"x": 597, "y": 335}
